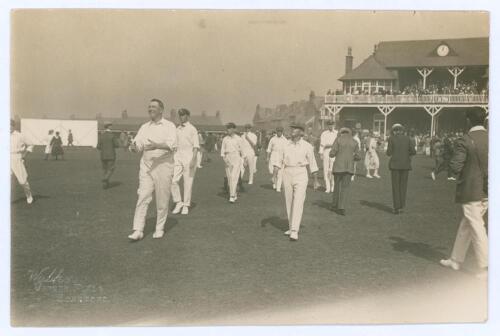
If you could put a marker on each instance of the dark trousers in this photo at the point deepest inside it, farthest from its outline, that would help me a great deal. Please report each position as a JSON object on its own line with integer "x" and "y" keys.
{"x": 399, "y": 186}
{"x": 341, "y": 189}
{"x": 442, "y": 165}
{"x": 108, "y": 166}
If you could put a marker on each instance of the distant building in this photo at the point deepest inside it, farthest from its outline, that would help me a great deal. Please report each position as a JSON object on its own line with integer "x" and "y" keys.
{"x": 424, "y": 84}
{"x": 204, "y": 123}
{"x": 306, "y": 112}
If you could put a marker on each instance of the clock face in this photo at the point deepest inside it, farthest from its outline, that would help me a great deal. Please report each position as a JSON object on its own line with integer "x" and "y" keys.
{"x": 443, "y": 50}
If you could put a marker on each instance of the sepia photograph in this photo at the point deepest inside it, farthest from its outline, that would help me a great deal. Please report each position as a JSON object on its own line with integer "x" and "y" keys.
{"x": 248, "y": 167}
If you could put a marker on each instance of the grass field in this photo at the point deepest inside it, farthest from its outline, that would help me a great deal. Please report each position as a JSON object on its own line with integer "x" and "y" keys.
{"x": 72, "y": 263}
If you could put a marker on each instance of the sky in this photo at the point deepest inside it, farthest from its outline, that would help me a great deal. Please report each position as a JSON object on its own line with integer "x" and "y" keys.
{"x": 85, "y": 62}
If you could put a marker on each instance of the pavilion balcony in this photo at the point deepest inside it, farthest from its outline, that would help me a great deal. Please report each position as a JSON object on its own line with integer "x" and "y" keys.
{"x": 458, "y": 99}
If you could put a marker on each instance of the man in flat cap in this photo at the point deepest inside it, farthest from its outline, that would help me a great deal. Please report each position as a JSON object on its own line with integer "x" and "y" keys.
{"x": 296, "y": 156}
{"x": 345, "y": 150}
{"x": 274, "y": 148}
{"x": 107, "y": 144}
{"x": 185, "y": 162}
{"x": 231, "y": 152}
{"x": 19, "y": 148}
{"x": 400, "y": 148}
{"x": 249, "y": 146}
{"x": 325, "y": 145}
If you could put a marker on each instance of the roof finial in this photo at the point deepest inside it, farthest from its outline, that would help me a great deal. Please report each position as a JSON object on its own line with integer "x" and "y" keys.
{"x": 349, "y": 51}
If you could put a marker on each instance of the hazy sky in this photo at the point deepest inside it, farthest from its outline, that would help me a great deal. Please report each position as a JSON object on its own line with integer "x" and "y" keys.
{"x": 85, "y": 62}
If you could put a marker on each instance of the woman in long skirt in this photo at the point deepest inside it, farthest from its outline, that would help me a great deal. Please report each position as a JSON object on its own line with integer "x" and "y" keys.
{"x": 48, "y": 146}
{"x": 57, "y": 149}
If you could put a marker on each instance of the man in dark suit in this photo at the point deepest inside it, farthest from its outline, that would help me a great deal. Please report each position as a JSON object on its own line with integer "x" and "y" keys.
{"x": 400, "y": 148}
{"x": 107, "y": 144}
{"x": 470, "y": 163}
{"x": 345, "y": 150}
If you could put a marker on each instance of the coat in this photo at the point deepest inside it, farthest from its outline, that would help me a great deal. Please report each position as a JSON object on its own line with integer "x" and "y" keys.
{"x": 470, "y": 163}
{"x": 345, "y": 150}
{"x": 56, "y": 145}
{"x": 107, "y": 144}
{"x": 400, "y": 148}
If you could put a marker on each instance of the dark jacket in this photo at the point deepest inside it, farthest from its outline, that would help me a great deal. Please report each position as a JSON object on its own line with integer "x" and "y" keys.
{"x": 400, "y": 148}
{"x": 107, "y": 144}
{"x": 345, "y": 150}
{"x": 470, "y": 163}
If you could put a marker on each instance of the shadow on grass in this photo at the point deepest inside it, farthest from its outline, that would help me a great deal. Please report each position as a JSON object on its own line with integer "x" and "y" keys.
{"x": 323, "y": 204}
{"x": 114, "y": 184}
{"x": 151, "y": 225}
{"x": 279, "y": 223}
{"x": 267, "y": 186}
{"x": 420, "y": 250}
{"x": 375, "y": 205}
{"x": 23, "y": 199}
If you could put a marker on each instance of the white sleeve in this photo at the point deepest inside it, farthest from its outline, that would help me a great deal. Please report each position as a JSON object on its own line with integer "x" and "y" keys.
{"x": 139, "y": 139}
{"x": 196, "y": 140}
{"x": 223, "y": 147}
{"x": 321, "y": 143}
{"x": 313, "y": 166}
{"x": 270, "y": 145}
{"x": 171, "y": 136}
{"x": 27, "y": 143}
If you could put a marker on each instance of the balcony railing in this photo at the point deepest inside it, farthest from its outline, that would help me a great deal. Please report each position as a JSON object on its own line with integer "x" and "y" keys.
{"x": 407, "y": 99}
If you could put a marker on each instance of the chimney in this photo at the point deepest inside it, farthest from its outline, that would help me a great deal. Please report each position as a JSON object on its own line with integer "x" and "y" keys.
{"x": 375, "y": 48}
{"x": 348, "y": 61}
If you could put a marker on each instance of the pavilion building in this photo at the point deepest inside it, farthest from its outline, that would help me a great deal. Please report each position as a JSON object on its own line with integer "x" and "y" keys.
{"x": 423, "y": 84}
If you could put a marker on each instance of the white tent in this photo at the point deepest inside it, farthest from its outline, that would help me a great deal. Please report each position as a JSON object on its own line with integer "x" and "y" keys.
{"x": 37, "y": 130}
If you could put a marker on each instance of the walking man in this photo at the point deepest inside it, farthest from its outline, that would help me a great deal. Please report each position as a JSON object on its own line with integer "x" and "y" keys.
{"x": 296, "y": 156}
{"x": 231, "y": 152}
{"x": 107, "y": 144}
{"x": 345, "y": 150}
{"x": 185, "y": 162}
{"x": 470, "y": 163}
{"x": 157, "y": 140}
{"x": 400, "y": 148}
{"x": 274, "y": 148}
{"x": 325, "y": 145}
{"x": 19, "y": 148}
{"x": 249, "y": 145}
{"x": 70, "y": 138}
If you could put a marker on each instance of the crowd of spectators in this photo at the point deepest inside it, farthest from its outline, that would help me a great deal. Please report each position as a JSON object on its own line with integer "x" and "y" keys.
{"x": 445, "y": 88}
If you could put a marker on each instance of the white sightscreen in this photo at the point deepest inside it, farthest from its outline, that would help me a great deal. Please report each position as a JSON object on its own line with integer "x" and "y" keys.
{"x": 37, "y": 130}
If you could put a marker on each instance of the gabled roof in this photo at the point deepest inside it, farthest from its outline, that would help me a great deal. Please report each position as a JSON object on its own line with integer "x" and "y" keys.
{"x": 463, "y": 52}
{"x": 371, "y": 68}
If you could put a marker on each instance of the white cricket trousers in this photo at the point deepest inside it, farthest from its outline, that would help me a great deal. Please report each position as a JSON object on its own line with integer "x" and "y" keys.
{"x": 250, "y": 161}
{"x": 472, "y": 230}
{"x": 274, "y": 161}
{"x": 183, "y": 170}
{"x": 327, "y": 169}
{"x": 19, "y": 170}
{"x": 295, "y": 181}
{"x": 155, "y": 178}
{"x": 233, "y": 165}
